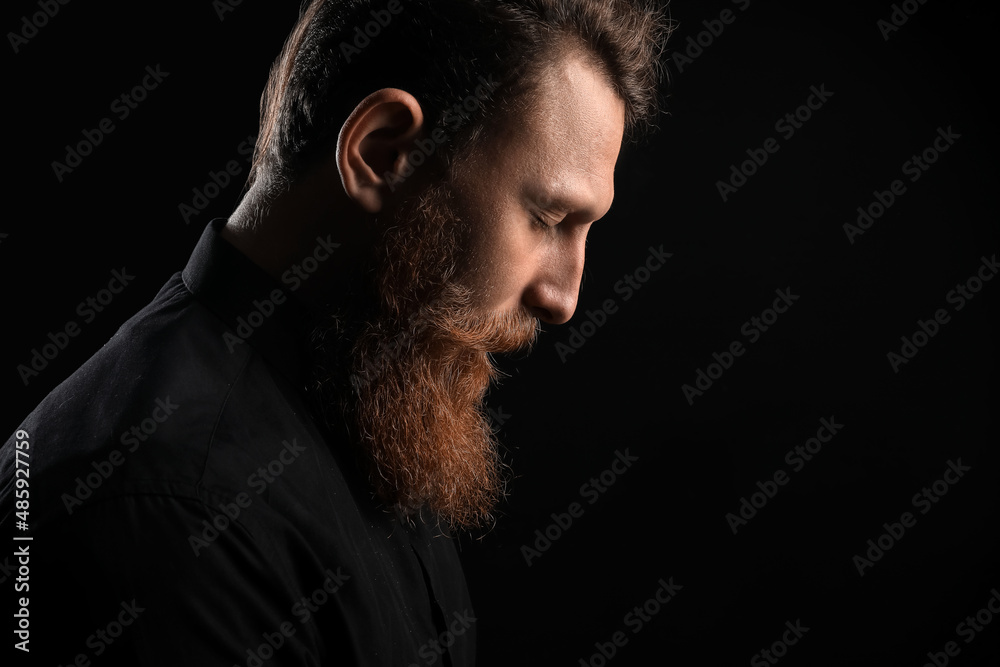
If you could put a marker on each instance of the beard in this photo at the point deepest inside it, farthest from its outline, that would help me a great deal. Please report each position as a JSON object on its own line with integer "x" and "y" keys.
{"x": 405, "y": 362}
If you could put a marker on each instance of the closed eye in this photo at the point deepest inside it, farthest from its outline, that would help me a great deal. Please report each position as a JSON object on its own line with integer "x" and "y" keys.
{"x": 543, "y": 224}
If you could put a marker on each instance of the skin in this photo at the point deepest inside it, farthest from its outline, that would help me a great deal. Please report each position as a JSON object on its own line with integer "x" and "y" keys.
{"x": 530, "y": 193}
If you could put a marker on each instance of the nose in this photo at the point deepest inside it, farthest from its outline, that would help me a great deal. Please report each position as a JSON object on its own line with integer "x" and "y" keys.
{"x": 553, "y": 294}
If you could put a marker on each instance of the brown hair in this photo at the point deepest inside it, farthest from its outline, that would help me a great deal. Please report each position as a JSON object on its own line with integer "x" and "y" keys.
{"x": 441, "y": 51}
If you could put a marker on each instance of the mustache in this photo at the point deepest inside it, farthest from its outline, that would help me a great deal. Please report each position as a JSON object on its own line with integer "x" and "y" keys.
{"x": 447, "y": 330}
{"x": 501, "y": 332}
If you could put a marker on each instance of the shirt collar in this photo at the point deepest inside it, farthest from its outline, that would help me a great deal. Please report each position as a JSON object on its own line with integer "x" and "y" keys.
{"x": 246, "y": 298}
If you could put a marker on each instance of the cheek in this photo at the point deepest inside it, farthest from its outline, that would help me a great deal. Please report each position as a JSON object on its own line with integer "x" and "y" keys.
{"x": 504, "y": 255}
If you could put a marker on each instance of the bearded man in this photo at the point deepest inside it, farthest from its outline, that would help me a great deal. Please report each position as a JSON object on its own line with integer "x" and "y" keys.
{"x": 267, "y": 462}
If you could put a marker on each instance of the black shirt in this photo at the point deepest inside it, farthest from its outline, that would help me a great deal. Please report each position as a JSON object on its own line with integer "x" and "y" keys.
{"x": 186, "y": 508}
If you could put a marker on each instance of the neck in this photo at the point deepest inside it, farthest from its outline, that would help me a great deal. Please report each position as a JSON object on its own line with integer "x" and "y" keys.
{"x": 308, "y": 236}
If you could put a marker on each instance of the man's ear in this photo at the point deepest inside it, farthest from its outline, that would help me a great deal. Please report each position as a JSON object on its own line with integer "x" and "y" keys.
{"x": 374, "y": 143}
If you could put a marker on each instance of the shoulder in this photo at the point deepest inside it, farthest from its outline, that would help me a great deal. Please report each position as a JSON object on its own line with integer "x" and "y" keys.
{"x": 168, "y": 406}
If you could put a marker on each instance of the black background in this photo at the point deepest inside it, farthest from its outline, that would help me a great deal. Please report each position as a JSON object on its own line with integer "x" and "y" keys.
{"x": 562, "y": 422}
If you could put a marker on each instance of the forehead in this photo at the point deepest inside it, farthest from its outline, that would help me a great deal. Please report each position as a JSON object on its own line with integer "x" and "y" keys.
{"x": 565, "y": 142}
{"x": 577, "y": 113}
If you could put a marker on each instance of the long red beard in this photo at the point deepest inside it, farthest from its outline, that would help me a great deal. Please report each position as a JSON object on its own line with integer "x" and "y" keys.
{"x": 420, "y": 369}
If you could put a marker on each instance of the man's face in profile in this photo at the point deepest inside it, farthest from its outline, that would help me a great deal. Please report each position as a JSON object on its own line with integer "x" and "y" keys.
{"x": 465, "y": 270}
